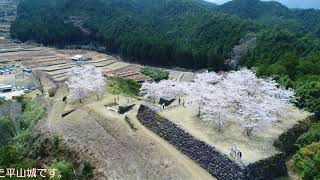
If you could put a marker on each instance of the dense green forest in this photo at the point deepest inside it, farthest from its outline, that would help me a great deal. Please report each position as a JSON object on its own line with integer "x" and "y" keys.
{"x": 21, "y": 148}
{"x": 193, "y": 34}
{"x": 186, "y": 33}
{"x": 293, "y": 60}
{"x": 159, "y": 32}
{"x": 275, "y": 14}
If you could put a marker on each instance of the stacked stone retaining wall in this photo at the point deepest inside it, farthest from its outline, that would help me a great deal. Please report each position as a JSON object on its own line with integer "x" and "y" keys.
{"x": 207, "y": 156}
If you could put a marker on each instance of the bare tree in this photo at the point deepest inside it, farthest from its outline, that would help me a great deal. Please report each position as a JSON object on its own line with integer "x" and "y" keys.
{"x": 38, "y": 76}
{"x": 15, "y": 113}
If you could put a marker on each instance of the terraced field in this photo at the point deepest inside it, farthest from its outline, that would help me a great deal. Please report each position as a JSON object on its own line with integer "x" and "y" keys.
{"x": 55, "y": 63}
{"x": 179, "y": 75}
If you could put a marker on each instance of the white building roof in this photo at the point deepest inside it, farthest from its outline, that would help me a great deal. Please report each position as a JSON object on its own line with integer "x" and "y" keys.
{"x": 77, "y": 57}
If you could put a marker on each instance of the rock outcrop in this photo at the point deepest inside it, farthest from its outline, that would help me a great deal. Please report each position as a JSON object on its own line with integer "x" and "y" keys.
{"x": 166, "y": 101}
{"x": 125, "y": 108}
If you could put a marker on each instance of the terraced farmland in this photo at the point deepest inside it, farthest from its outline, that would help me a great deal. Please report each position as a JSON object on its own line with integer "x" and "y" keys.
{"x": 55, "y": 63}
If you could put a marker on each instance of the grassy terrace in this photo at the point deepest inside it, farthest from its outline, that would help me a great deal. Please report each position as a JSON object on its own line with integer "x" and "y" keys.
{"x": 254, "y": 148}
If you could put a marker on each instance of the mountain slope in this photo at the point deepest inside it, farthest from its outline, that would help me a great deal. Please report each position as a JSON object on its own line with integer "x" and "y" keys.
{"x": 255, "y": 9}
{"x": 275, "y": 14}
{"x": 188, "y": 33}
{"x": 183, "y": 33}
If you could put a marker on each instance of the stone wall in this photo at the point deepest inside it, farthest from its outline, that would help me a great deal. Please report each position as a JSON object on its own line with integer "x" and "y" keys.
{"x": 206, "y": 156}
{"x": 269, "y": 168}
{"x": 285, "y": 142}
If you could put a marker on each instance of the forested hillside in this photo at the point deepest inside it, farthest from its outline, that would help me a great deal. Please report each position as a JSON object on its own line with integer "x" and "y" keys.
{"x": 255, "y": 9}
{"x": 293, "y": 60}
{"x": 159, "y": 32}
{"x": 275, "y": 14}
{"x": 276, "y": 41}
{"x": 185, "y": 33}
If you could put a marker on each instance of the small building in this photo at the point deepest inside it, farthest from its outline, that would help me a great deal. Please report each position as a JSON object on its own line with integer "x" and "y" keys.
{"x": 80, "y": 58}
{"x": 5, "y": 88}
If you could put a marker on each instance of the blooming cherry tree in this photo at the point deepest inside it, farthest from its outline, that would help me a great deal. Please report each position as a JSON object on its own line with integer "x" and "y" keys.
{"x": 258, "y": 102}
{"x": 208, "y": 77}
{"x": 215, "y": 109}
{"x": 255, "y": 102}
{"x": 165, "y": 88}
{"x": 83, "y": 80}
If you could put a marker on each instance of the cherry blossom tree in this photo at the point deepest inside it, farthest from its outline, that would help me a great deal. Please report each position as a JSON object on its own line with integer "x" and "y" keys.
{"x": 215, "y": 109}
{"x": 208, "y": 77}
{"x": 258, "y": 102}
{"x": 164, "y": 88}
{"x": 83, "y": 80}
{"x": 98, "y": 82}
{"x": 201, "y": 90}
{"x": 255, "y": 102}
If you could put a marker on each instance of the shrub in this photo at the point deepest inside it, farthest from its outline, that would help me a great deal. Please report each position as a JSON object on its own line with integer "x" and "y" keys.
{"x": 56, "y": 142}
{"x": 19, "y": 98}
{"x": 9, "y": 156}
{"x": 2, "y": 101}
{"x": 39, "y": 150}
{"x": 307, "y": 161}
{"x": 312, "y": 135}
{"x": 52, "y": 92}
{"x": 65, "y": 169}
{"x": 7, "y": 131}
{"x": 127, "y": 87}
{"x": 155, "y": 73}
{"x": 309, "y": 96}
{"x": 85, "y": 170}
{"x": 32, "y": 113}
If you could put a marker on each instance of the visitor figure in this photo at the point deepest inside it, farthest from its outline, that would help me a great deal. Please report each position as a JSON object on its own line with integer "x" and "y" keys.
{"x": 179, "y": 101}
{"x": 239, "y": 153}
{"x": 236, "y": 153}
{"x": 163, "y": 105}
{"x": 232, "y": 152}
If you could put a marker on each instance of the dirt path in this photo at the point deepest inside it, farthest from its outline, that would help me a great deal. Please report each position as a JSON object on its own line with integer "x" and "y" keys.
{"x": 115, "y": 149}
